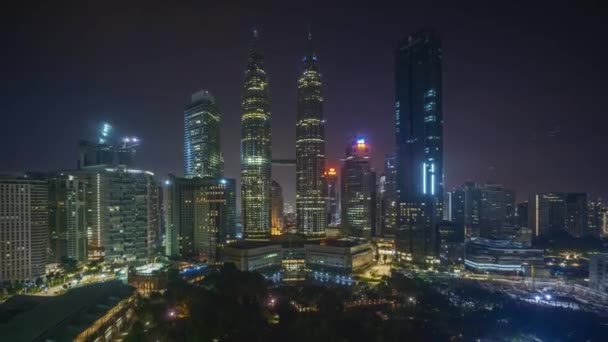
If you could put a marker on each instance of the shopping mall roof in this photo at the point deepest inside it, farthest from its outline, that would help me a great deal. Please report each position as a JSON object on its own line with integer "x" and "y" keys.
{"x": 62, "y": 317}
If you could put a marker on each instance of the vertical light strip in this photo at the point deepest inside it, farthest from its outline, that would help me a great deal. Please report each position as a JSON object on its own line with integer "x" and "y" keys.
{"x": 432, "y": 179}
{"x": 424, "y": 178}
{"x": 536, "y": 218}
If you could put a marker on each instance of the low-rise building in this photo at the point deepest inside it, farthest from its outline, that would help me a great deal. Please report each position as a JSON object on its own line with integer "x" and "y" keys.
{"x": 341, "y": 256}
{"x": 149, "y": 278}
{"x": 503, "y": 256}
{"x": 97, "y": 312}
{"x": 262, "y": 256}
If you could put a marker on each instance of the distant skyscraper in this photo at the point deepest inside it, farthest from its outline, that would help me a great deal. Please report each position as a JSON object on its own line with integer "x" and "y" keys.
{"x": 202, "y": 156}
{"x": 547, "y": 214}
{"x": 107, "y": 150}
{"x": 595, "y": 221}
{"x": 389, "y": 201}
{"x": 522, "y": 215}
{"x": 256, "y": 154}
{"x": 454, "y": 206}
{"x": 24, "y": 224}
{"x": 577, "y": 215}
{"x": 419, "y": 133}
{"x": 497, "y": 212}
{"x": 332, "y": 202}
{"x": 472, "y": 208}
{"x": 310, "y": 149}
{"x": 554, "y": 212}
{"x": 67, "y": 217}
{"x": 200, "y": 216}
{"x": 277, "y": 209}
{"x": 358, "y": 190}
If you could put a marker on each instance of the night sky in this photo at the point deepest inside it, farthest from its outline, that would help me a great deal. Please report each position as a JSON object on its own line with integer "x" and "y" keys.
{"x": 524, "y": 88}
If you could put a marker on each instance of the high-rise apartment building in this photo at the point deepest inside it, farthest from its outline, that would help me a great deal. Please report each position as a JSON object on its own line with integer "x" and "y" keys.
{"x": 551, "y": 213}
{"x": 419, "y": 135}
{"x": 310, "y": 149}
{"x": 497, "y": 214}
{"x": 122, "y": 214}
{"x": 358, "y": 190}
{"x": 202, "y": 156}
{"x": 67, "y": 217}
{"x": 256, "y": 157}
{"x": 200, "y": 216}
{"x": 24, "y": 220}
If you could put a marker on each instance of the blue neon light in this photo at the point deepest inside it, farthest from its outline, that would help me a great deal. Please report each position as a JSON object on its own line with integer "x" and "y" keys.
{"x": 424, "y": 178}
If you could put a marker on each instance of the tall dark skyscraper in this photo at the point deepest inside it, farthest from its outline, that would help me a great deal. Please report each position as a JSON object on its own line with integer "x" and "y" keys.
{"x": 256, "y": 157}
{"x": 277, "y": 209}
{"x": 358, "y": 190}
{"x": 419, "y": 135}
{"x": 553, "y": 212}
{"x": 108, "y": 150}
{"x": 202, "y": 156}
{"x": 388, "y": 197}
{"x": 310, "y": 149}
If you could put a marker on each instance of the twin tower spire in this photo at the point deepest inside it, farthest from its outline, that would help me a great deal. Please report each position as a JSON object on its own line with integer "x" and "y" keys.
{"x": 256, "y": 155}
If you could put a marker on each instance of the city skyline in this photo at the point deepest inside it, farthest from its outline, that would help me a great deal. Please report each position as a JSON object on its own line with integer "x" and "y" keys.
{"x": 538, "y": 133}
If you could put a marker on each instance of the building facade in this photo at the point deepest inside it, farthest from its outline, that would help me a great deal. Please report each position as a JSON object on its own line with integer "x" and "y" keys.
{"x": 310, "y": 149}
{"x": 202, "y": 156}
{"x": 551, "y": 213}
{"x": 358, "y": 190}
{"x": 277, "y": 209}
{"x": 388, "y": 197}
{"x": 24, "y": 228}
{"x": 200, "y": 216}
{"x": 67, "y": 217}
{"x": 332, "y": 201}
{"x": 503, "y": 256}
{"x": 419, "y": 135}
{"x": 122, "y": 215}
{"x": 256, "y": 154}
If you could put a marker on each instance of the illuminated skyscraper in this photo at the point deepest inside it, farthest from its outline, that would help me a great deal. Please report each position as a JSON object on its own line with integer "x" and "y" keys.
{"x": 419, "y": 133}
{"x": 24, "y": 224}
{"x": 277, "y": 209}
{"x": 256, "y": 155}
{"x": 310, "y": 149}
{"x": 358, "y": 190}
{"x": 202, "y": 156}
{"x": 332, "y": 201}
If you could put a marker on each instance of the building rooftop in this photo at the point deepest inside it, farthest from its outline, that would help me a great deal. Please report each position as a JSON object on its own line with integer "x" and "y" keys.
{"x": 61, "y": 317}
{"x": 344, "y": 243}
{"x": 251, "y": 244}
{"x": 493, "y": 243}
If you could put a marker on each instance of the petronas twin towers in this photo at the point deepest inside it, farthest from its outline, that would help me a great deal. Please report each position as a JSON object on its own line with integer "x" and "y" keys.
{"x": 256, "y": 156}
